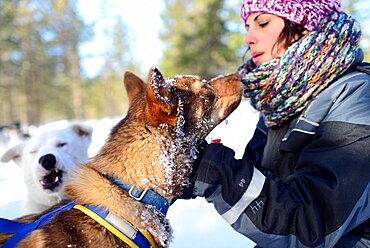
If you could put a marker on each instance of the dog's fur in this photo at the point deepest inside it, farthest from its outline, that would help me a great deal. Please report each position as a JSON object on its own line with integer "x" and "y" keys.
{"x": 46, "y": 160}
{"x": 152, "y": 147}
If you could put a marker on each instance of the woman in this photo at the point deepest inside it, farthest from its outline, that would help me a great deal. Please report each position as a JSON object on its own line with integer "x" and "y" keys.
{"x": 304, "y": 178}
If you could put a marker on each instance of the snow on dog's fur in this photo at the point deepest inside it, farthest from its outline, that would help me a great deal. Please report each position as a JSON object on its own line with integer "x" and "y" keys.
{"x": 46, "y": 160}
{"x": 151, "y": 149}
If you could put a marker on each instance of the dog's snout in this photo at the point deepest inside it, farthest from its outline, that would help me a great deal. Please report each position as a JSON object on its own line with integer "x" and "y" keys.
{"x": 48, "y": 161}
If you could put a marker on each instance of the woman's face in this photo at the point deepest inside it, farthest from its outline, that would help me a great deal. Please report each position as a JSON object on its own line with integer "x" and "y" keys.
{"x": 263, "y": 31}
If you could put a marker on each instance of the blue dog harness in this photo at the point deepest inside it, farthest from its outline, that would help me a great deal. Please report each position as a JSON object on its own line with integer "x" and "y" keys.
{"x": 118, "y": 226}
{"x": 22, "y": 229}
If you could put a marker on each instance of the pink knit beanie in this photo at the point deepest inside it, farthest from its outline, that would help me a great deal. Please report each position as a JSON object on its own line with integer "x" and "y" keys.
{"x": 306, "y": 12}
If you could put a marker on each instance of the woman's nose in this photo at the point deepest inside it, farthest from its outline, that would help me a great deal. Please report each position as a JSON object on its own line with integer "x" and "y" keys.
{"x": 250, "y": 38}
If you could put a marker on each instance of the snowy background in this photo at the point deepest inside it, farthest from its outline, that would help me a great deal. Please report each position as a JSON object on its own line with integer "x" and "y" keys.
{"x": 195, "y": 222}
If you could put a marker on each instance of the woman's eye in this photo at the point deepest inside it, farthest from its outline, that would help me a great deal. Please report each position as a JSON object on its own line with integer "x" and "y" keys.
{"x": 264, "y": 24}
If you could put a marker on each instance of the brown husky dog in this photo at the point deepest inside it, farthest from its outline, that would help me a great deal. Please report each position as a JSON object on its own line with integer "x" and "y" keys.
{"x": 149, "y": 152}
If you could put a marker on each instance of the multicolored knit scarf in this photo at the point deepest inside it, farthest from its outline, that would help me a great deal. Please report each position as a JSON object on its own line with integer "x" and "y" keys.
{"x": 282, "y": 87}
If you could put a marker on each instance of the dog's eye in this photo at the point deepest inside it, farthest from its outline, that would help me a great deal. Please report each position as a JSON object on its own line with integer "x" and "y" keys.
{"x": 61, "y": 144}
{"x": 33, "y": 151}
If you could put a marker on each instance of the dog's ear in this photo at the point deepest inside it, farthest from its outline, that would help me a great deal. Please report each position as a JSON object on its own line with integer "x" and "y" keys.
{"x": 82, "y": 131}
{"x": 161, "y": 103}
{"x": 14, "y": 153}
{"x": 133, "y": 85}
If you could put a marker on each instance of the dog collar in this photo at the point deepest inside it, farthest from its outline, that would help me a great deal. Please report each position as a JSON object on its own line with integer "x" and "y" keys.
{"x": 146, "y": 196}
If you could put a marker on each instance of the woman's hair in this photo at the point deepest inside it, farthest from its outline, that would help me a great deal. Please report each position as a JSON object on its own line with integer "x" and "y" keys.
{"x": 291, "y": 33}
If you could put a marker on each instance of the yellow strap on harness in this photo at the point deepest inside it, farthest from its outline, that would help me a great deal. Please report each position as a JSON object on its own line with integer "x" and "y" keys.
{"x": 149, "y": 237}
{"x": 112, "y": 229}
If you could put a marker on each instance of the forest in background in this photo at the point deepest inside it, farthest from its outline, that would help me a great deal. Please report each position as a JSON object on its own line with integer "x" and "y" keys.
{"x": 41, "y": 73}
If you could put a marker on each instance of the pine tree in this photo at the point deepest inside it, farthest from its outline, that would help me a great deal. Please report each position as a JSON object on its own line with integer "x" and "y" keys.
{"x": 198, "y": 38}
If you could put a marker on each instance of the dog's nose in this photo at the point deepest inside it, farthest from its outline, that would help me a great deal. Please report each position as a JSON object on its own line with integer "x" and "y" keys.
{"x": 48, "y": 161}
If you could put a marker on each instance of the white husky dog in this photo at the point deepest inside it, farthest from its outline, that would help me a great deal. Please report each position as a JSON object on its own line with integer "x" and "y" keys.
{"x": 46, "y": 160}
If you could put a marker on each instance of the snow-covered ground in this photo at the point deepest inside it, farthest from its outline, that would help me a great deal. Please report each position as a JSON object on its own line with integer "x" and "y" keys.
{"x": 195, "y": 222}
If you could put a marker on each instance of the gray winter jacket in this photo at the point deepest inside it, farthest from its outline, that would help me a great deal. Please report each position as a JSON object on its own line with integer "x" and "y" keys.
{"x": 304, "y": 184}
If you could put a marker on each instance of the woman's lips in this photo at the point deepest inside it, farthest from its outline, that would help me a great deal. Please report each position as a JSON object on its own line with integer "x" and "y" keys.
{"x": 256, "y": 56}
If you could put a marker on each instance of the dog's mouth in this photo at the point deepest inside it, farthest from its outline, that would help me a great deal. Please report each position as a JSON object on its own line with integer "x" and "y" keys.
{"x": 52, "y": 180}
